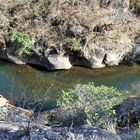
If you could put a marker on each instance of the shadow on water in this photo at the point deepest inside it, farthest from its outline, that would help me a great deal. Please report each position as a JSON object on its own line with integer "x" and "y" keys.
{"x": 33, "y": 86}
{"x": 44, "y": 69}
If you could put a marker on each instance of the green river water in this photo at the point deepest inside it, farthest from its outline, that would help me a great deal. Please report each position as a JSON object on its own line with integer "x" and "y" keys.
{"x": 30, "y": 87}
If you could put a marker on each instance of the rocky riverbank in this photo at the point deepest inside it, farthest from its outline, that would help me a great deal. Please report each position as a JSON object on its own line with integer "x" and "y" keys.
{"x": 61, "y": 33}
{"x": 17, "y": 123}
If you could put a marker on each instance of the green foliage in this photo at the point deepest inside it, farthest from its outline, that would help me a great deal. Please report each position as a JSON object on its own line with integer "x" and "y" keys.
{"x": 21, "y": 41}
{"x": 66, "y": 98}
{"x": 73, "y": 44}
{"x": 95, "y": 102}
{"x": 137, "y": 132}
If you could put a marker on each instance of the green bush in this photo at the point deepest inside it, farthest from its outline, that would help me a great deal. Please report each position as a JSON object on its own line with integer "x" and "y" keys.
{"x": 73, "y": 44}
{"x": 95, "y": 102}
{"x": 21, "y": 41}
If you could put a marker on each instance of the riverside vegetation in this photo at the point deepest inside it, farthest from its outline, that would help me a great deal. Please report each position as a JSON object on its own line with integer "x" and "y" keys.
{"x": 96, "y": 106}
{"x": 93, "y": 102}
{"x": 21, "y": 42}
{"x": 59, "y": 34}
{"x": 89, "y": 105}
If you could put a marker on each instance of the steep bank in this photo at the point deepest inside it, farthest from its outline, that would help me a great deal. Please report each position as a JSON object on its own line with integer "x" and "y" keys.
{"x": 61, "y": 33}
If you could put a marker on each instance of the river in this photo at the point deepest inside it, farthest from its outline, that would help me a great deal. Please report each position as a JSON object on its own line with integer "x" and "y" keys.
{"x": 30, "y": 87}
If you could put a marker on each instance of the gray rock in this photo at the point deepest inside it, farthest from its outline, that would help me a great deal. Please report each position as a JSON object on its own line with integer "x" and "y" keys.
{"x": 94, "y": 56}
{"x": 2, "y": 48}
{"x": 81, "y": 133}
{"x": 54, "y": 59}
{"x": 128, "y": 112}
{"x": 59, "y": 117}
{"x": 112, "y": 59}
{"x": 57, "y": 62}
{"x": 11, "y": 113}
{"x": 16, "y": 125}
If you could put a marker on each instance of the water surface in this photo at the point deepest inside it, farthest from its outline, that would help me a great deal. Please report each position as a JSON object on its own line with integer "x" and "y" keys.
{"x": 26, "y": 85}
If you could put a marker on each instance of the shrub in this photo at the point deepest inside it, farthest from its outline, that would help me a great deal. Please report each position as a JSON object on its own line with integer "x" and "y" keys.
{"x": 73, "y": 44}
{"x": 21, "y": 41}
{"x": 95, "y": 102}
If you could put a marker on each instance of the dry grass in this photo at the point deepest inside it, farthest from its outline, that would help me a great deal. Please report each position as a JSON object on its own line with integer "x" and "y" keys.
{"x": 105, "y": 23}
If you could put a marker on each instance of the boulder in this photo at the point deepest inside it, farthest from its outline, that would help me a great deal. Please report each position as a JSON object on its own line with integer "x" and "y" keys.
{"x": 95, "y": 56}
{"x": 10, "y": 113}
{"x": 133, "y": 56}
{"x": 112, "y": 59}
{"x": 54, "y": 59}
{"x": 34, "y": 132}
{"x": 128, "y": 112}
{"x": 57, "y": 62}
{"x": 59, "y": 117}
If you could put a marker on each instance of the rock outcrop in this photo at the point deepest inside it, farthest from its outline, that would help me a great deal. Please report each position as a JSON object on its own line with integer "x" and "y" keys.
{"x": 10, "y": 113}
{"x": 95, "y": 33}
{"x": 34, "y": 132}
{"x": 17, "y": 123}
{"x": 128, "y": 112}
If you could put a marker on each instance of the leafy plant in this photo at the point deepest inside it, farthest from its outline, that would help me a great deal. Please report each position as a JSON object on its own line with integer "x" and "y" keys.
{"x": 21, "y": 41}
{"x": 136, "y": 135}
{"x": 66, "y": 98}
{"x": 73, "y": 44}
{"x": 95, "y": 102}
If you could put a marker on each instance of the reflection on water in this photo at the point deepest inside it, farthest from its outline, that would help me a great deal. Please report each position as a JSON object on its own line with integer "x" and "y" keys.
{"x": 25, "y": 84}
